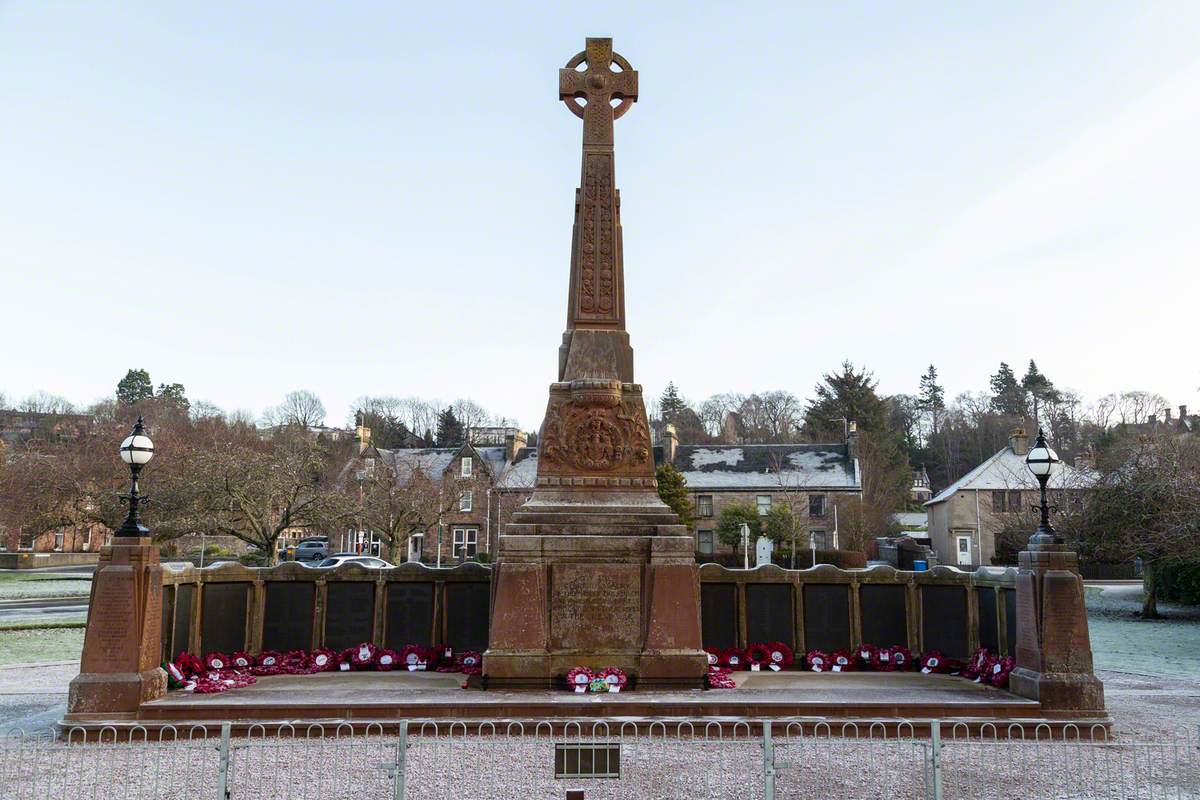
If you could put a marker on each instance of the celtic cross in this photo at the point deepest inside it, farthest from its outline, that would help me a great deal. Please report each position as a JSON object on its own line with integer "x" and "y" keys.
{"x": 597, "y": 86}
{"x": 597, "y": 298}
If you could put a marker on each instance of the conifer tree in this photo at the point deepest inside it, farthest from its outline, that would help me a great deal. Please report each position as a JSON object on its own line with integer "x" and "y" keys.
{"x": 850, "y": 395}
{"x": 932, "y": 398}
{"x": 1038, "y": 386}
{"x": 449, "y": 429}
{"x": 1008, "y": 396}
{"x": 672, "y": 488}
{"x": 134, "y": 387}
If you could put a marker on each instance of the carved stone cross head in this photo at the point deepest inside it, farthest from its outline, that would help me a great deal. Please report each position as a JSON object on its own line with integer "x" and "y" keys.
{"x": 607, "y": 77}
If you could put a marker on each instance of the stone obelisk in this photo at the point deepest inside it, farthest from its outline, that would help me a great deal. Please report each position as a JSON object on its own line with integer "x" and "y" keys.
{"x": 595, "y": 569}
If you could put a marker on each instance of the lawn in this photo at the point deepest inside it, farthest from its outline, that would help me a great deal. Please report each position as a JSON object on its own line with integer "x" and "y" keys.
{"x": 19, "y": 585}
{"x": 1124, "y": 642}
{"x": 40, "y": 644}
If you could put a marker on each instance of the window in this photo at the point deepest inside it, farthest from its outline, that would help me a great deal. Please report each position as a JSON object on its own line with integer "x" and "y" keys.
{"x": 816, "y": 505}
{"x": 58, "y": 541}
{"x": 998, "y": 502}
{"x": 704, "y": 505}
{"x": 87, "y": 538}
{"x": 1076, "y": 500}
{"x": 1014, "y": 500}
{"x": 465, "y": 541}
{"x": 467, "y": 466}
{"x": 816, "y": 538}
{"x": 466, "y": 501}
{"x": 25, "y": 541}
{"x": 764, "y": 504}
{"x": 416, "y": 547}
{"x": 704, "y": 542}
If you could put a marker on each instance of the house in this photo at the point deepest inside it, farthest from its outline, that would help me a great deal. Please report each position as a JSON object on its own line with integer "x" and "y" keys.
{"x": 812, "y": 479}
{"x": 966, "y": 517}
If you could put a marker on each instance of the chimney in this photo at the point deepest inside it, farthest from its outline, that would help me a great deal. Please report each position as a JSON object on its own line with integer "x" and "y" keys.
{"x": 670, "y": 443}
{"x": 363, "y": 434}
{"x": 1085, "y": 460}
{"x": 1167, "y": 414}
{"x": 851, "y": 439}
{"x": 514, "y": 442}
{"x": 1019, "y": 441}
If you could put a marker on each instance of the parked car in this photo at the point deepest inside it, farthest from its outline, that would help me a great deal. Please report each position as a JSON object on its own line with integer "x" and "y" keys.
{"x": 311, "y": 550}
{"x": 370, "y": 562}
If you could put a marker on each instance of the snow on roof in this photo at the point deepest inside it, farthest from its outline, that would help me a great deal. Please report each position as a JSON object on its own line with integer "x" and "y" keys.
{"x": 522, "y": 473}
{"x": 825, "y": 466}
{"x": 1007, "y": 470}
{"x": 912, "y": 519}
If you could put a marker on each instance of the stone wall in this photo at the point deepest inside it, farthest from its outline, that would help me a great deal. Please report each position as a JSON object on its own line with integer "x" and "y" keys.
{"x": 231, "y": 607}
{"x": 826, "y": 608}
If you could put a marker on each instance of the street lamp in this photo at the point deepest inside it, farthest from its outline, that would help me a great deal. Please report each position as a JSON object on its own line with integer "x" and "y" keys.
{"x": 1041, "y": 461}
{"x": 745, "y": 546}
{"x": 136, "y": 451}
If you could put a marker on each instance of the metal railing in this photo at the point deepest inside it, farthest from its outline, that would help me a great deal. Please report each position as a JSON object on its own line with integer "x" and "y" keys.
{"x": 725, "y": 758}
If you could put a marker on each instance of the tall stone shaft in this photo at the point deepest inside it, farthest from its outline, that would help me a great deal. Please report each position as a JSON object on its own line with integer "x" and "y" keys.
{"x": 595, "y": 569}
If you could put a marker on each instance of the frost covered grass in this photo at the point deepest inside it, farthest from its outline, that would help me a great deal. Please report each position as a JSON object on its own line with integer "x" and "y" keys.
{"x": 38, "y": 645}
{"x": 18, "y": 585}
{"x": 1122, "y": 641}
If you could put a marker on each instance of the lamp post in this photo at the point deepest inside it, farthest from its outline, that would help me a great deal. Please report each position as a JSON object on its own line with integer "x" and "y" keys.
{"x": 136, "y": 451}
{"x": 1041, "y": 461}
{"x": 745, "y": 546}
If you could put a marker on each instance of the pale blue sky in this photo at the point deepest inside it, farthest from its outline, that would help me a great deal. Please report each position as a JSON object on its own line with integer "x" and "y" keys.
{"x": 376, "y": 198}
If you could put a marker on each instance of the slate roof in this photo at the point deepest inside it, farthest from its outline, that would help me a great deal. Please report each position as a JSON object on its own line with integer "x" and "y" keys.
{"x": 432, "y": 461}
{"x": 522, "y": 473}
{"x": 767, "y": 466}
{"x": 1006, "y": 470}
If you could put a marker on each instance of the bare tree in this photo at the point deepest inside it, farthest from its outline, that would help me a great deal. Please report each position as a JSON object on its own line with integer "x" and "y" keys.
{"x": 46, "y": 403}
{"x": 301, "y": 409}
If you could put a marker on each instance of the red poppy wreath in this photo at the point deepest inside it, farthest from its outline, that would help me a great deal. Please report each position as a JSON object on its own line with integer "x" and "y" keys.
{"x": 757, "y": 656}
{"x": 779, "y": 656}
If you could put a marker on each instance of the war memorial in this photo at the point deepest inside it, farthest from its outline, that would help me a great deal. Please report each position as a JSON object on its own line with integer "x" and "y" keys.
{"x": 595, "y": 573}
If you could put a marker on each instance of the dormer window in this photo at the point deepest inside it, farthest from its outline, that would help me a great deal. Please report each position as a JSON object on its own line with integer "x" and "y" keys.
{"x": 468, "y": 466}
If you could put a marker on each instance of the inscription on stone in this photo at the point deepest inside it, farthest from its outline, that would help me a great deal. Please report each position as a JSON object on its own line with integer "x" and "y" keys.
{"x": 288, "y": 616}
{"x": 183, "y": 619}
{"x": 826, "y": 617}
{"x": 467, "y": 615}
{"x": 409, "y": 615}
{"x": 718, "y": 614}
{"x": 112, "y": 628}
{"x": 884, "y": 621}
{"x": 595, "y": 605}
{"x": 769, "y": 614}
{"x": 944, "y": 620}
{"x": 350, "y": 613}
{"x": 223, "y": 618}
{"x": 989, "y": 624}
{"x": 1010, "y": 621}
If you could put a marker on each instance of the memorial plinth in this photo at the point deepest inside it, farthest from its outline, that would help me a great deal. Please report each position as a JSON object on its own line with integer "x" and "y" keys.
{"x": 1054, "y": 651}
{"x": 595, "y": 569}
{"x": 119, "y": 669}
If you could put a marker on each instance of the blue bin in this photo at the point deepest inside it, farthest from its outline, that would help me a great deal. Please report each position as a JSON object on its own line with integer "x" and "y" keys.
{"x": 920, "y": 565}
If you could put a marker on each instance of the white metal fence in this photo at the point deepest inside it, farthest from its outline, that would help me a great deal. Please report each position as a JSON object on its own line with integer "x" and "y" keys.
{"x": 799, "y": 758}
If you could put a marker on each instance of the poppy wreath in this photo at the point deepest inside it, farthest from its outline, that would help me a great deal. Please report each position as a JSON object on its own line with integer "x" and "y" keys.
{"x": 448, "y": 660}
{"x": 719, "y": 678}
{"x": 866, "y": 655}
{"x": 956, "y": 666}
{"x": 843, "y": 661}
{"x": 189, "y": 665}
{"x": 978, "y": 663}
{"x": 438, "y": 656}
{"x": 733, "y": 657}
{"x": 241, "y": 660}
{"x": 578, "y": 679}
{"x": 217, "y": 662}
{"x": 779, "y": 655}
{"x": 323, "y": 660}
{"x": 934, "y": 662}
{"x": 469, "y": 662}
{"x": 714, "y": 656}
{"x": 363, "y": 656}
{"x": 412, "y": 657}
{"x": 295, "y": 662}
{"x": 614, "y": 678}
{"x": 386, "y": 660}
{"x": 998, "y": 671}
{"x": 819, "y": 661}
{"x": 269, "y": 662}
{"x": 891, "y": 659}
{"x": 757, "y": 655}
{"x": 175, "y": 678}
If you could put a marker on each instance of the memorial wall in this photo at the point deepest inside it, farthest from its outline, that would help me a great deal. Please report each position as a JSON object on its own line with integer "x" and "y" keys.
{"x": 230, "y": 607}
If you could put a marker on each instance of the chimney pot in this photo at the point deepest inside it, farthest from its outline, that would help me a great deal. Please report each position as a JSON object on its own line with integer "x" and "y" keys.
{"x": 1183, "y": 412}
{"x": 1019, "y": 441}
{"x": 670, "y": 442}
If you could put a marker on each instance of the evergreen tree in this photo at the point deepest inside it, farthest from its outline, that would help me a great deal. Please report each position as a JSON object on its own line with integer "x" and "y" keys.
{"x": 932, "y": 398}
{"x": 1038, "y": 386}
{"x": 848, "y": 394}
{"x": 174, "y": 395}
{"x": 729, "y": 523}
{"x": 672, "y": 488}
{"x": 134, "y": 387}
{"x": 1008, "y": 396}
{"x": 670, "y": 405}
{"x": 449, "y": 429}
